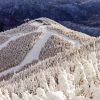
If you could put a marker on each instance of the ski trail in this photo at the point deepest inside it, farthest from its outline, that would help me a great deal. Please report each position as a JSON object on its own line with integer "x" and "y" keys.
{"x": 33, "y": 54}
{"x": 3, "y": 45}
{"x": 72, "y": 41}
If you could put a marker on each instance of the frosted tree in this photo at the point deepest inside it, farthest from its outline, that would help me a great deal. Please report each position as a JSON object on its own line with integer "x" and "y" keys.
{"x": 64, "y": 85}
{"x": 94, "y": 62}
{"x": 58, "y": 95}
{"x": 15, "y": 97}
{"x": 21, "y": 86}
{"x": 43, "y": 81}
{"x": 80, "y": 79}
{"x": 2, "y": 97}
{"x": 89, "y": 70}
{"x": 95, "y": 92}
{"x": 93, "y": 58}
{"x": 52, "y": 83}
{"x": 7, "y": 95}
{"x": 25, "y": 96}
{"x": 30, "y": 97}
{"x": 41, "y": 93}
{"x": 79, "y": 74}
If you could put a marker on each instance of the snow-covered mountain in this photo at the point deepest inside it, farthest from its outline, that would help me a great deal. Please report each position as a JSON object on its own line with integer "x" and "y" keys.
{"x": 43, "y": 60}
{"x": 36, "y": 40}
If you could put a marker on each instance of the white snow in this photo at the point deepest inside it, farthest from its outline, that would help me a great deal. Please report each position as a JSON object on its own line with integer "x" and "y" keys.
{"x": 37, "y": 24}
{"x": 7, "y": 42}
{"x": 3, "y": 45}
{"x": 72, "y": 41}
{"x": 41, "y": 93}
{"x": 58, "y": 95}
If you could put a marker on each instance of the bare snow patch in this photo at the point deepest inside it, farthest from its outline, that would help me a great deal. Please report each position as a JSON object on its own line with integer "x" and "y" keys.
{"x": 14, "y": 38}
{"x": 37, "y": 24}
{"x": 72, "y": 41}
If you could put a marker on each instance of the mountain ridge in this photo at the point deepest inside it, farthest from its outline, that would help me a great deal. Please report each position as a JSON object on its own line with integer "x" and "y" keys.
{"x": 46, "y": 38}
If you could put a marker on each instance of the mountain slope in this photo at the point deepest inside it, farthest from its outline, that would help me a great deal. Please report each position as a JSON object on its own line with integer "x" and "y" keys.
{"x": 69, "y": 75}
{"x": 36, "y": 40}
{"x": 43, "y": 60}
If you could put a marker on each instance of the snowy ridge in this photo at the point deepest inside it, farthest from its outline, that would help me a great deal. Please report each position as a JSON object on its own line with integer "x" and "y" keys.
{"x": 35, "y": 51}
{"x": 47, "y": 31}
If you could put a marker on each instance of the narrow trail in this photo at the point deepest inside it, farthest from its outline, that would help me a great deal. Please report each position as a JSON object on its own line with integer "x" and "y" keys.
{"x": 14, "y": 38}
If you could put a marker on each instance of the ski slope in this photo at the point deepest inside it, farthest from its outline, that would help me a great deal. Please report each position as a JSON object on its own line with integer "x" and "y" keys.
{"x": 33, "y": 54}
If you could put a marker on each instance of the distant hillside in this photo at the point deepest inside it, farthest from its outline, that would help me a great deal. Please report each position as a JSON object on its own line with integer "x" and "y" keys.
{"x": 15, "y": 12}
